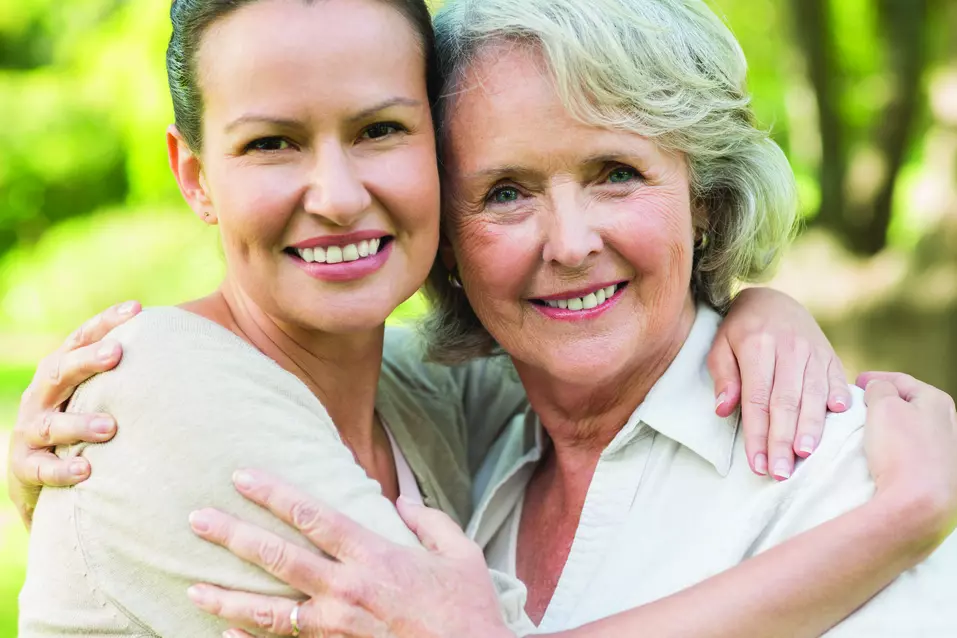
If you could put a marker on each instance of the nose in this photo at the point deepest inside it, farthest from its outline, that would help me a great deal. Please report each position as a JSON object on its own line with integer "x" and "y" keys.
{"x": 335, "y": 190}
{"x": 570, "y": 236}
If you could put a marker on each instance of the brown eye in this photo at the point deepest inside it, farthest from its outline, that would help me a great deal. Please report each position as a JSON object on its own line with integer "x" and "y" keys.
{"x": 381, "y": 130}
{"x": 268, "y": 145}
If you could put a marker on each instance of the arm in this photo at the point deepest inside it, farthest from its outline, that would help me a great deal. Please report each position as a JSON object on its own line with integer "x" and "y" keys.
{"x": 800, "y": 588}
{"x": 191, "y": 418}
{"x": 42, "y": 424}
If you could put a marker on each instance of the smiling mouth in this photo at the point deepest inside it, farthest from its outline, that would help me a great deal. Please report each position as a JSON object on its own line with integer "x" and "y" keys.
{"x": 592, "y": 300}
{"x": 345, "y": 253}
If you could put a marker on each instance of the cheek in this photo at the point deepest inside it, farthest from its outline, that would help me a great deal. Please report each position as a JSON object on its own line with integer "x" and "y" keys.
{"x": 495, "y": 262}
{"x": 407, "y": 184}
{"x": 254, "y": 205}
{"x": 656, "y": 238}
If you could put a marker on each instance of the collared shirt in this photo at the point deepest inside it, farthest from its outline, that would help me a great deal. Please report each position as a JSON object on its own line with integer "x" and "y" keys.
{"x": 673, "y": 502}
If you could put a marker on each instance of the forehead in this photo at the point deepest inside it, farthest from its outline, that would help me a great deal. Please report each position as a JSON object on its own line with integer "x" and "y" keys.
{"x": 507, "y": 110}
{"x": 285, "y": 52}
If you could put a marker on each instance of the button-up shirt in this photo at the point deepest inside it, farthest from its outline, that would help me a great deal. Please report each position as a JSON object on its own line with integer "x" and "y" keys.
{"x": 673, "y": 502}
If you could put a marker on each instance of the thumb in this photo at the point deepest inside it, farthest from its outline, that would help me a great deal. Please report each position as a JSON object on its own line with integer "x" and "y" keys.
{"x": 436, "y": 531}
{"x": 878, "y": 390}
{"x": 723, "y": 366}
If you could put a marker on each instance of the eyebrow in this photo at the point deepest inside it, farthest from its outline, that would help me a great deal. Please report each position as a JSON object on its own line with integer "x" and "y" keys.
{"x": 287, "y": 123}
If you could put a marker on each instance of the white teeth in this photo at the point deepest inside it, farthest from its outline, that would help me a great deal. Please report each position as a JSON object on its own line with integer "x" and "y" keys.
{"x": 350, "y": 252}
{"x": 589, "y": 301}
{"x": 339, "y": 254}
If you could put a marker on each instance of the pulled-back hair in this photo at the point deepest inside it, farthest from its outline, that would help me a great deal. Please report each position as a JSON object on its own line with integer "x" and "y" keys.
{"x": 669, "y": 70}
{"x": 191, "y": 20}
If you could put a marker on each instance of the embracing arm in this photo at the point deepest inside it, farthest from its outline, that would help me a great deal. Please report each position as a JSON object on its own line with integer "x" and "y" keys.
{"x": 801, "y": 587}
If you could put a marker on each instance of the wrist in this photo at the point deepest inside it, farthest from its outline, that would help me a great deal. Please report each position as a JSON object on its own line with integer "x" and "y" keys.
{"x": 918, "y": 519}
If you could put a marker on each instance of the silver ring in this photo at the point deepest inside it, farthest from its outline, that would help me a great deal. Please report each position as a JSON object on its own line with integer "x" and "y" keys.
{"x": 294, "y": 619}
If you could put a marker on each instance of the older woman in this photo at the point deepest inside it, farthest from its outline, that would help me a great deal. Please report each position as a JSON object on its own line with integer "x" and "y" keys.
{"x": 605, "y": 187}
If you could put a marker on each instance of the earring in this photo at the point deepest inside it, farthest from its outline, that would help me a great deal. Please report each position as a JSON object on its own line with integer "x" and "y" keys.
{"x": 454, "y": 280}
{"x": 702, "y": 242}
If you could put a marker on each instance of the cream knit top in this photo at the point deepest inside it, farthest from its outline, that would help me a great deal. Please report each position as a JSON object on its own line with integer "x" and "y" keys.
{"x": 114, "y": 555}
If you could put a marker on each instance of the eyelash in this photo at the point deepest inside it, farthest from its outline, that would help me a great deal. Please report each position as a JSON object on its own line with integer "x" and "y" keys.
{"x": 636, "y": 175}
{"x": 394, "y": 127}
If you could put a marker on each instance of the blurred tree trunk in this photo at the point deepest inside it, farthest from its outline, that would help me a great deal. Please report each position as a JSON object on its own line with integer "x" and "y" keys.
{"x": 862, "y": 224}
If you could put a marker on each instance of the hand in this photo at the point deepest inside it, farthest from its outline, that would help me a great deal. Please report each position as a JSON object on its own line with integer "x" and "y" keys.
{"x": 911, "y": 445}
{"x": 366, "y": 587}
{"x": 789, "y": 377}
{"x": 41, "y": 423}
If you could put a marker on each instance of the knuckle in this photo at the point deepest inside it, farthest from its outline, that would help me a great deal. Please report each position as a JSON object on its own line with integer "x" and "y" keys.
{"x": 786, "y": 402}
{"x": 759, "y": 399}
{"x": 306, "y": 515}
{"x": 815, "y": 388}
{"x": 44, "y": 431}
{"x": 265, "y": 617}
{"x": 273, "y": 555}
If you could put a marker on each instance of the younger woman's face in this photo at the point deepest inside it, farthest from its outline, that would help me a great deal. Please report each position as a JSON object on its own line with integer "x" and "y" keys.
{"x": 318, "y": 158}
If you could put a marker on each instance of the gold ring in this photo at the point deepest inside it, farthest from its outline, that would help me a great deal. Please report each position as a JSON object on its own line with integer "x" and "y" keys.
{"x": 294, "y": 619}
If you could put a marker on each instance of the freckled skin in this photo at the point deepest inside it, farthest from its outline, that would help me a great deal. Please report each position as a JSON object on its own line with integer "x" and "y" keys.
{"x": 566, "y": 225}
{"x": 317, "y": 66}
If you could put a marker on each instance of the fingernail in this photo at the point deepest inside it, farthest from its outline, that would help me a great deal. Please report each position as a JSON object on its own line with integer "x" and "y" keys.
{"x": 782, "y": 469}
{"x": 105, "y": 353}
{"x": 196, "y": 594}
{"x": 102, "y": 425}
{"x": 807, "y": 444}
{"x": 761, "y": 464}
{"x": 243, "y": 480}
{"x": 720, "y": 400}
{"x": 406, "y": 501}
{"x": 78, "y": 468}
{"x": 199, "y": 521}
{"x": 127, "y": 308}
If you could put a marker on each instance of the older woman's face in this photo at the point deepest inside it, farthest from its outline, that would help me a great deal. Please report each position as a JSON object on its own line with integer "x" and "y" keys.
{"x": 574, "y": 243}
{"x": 319, "y": 158}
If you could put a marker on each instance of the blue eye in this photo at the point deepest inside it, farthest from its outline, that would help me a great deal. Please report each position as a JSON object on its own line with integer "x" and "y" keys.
{"x": 622, "y": 175}
{"x": 268, "y": 145}
{"x": 382, "y": 129}
{"x": 504, "y": 195}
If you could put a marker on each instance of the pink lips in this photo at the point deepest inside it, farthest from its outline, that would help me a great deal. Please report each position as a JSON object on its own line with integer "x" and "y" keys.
{"x": 346, "y": 271}
{"x": 563, "y": 314}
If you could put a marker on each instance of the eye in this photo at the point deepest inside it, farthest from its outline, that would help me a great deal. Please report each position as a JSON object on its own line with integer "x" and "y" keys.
{"x": 268, "y": 145}
{"x": 623, "y": 175}
{"x": 382, "y": 129}
{"x": 504, "y": 195}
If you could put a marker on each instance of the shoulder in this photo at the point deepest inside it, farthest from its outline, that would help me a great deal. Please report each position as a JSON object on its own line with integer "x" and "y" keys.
{"x": 403, "y": 361}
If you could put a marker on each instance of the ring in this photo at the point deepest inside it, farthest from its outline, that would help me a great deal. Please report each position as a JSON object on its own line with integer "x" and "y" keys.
{"x": 294, "y": 619}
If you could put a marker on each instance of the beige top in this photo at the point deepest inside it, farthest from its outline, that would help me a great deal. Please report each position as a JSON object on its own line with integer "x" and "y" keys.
{"x": 672, "y": 502}
{"x": 115, "y": 555}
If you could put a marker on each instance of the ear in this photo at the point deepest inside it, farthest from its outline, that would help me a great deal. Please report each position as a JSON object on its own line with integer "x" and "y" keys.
{"x": 188, "y": 170}
{"x": 447, "y": 252}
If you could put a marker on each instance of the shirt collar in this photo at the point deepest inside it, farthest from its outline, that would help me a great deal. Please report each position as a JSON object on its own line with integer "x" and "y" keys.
{"x": 679, "y": 406}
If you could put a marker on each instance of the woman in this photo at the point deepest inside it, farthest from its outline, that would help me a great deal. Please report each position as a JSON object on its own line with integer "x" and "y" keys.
{"x": 566, "y": 175}
{"x": 287, "y": 175}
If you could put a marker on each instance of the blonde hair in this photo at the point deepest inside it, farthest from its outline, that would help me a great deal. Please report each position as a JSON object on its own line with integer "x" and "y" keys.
{"x": 669, "y": 70}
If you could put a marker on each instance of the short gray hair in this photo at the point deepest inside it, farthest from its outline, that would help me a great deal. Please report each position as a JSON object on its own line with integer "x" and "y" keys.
{"x": 669, "y": 70}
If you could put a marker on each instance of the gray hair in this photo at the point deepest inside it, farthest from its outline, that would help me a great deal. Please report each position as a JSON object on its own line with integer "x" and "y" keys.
{"x": 191, "y": 19}
{"x": 669, "y": 70}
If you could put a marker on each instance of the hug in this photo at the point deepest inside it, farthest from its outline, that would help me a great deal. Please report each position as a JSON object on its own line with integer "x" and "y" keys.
{"x": 592, "y": 433}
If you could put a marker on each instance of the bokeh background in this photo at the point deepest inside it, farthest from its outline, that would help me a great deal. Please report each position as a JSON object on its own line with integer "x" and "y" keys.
{"x": 861, "y": 94}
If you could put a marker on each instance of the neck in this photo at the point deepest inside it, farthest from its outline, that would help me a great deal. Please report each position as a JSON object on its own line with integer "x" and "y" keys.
{"x": 583, "y": 417}
{"x": 342, "y": 370}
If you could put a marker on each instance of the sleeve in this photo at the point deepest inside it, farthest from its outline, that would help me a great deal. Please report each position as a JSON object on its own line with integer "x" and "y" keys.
{"x": 492, "y": 396}
{"x": 188, "y": 419}
{"x": 920, "y": 601}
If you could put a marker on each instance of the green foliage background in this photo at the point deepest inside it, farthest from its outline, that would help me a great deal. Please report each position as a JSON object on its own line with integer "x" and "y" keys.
{"x": 90, "y": 216}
